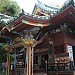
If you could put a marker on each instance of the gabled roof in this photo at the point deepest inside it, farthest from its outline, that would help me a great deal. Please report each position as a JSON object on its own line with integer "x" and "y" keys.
{"x": 69, "y": 10}
{"x": 43, "y": 9}
{"x": 23, "y": 23}
{"x": 65, "y": 16}
{"x": 27, "y": 22}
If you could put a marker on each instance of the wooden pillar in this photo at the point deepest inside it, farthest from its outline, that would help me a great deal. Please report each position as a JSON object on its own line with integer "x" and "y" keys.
{"x": 15, "y": 58}
{"x": 29, "y": 60}
{"x": 8, "y": 63}
{"x": 13, "y": 68}
{"x": 29, "y": 43}
{"x": 32, "y": 60}
{"x": 65, "y": 48}
{"x": 65, "y": 44}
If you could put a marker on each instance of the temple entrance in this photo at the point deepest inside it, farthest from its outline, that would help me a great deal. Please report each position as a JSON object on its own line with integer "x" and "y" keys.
{"x": 44, "y": 60}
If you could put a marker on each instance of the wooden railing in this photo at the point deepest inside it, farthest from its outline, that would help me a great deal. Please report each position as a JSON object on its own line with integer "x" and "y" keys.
{"x": 69, "y": 66}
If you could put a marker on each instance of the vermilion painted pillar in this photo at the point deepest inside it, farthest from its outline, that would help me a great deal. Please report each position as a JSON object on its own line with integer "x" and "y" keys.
{"x": 32, "y": 60}
{"x": 65, "y": 44}
{"x": 65, "y": 47}
{"x": 29, "y": 60}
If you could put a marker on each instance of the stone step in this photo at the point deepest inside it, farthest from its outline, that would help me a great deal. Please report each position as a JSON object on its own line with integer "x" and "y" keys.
{"x": 40, "y": 74}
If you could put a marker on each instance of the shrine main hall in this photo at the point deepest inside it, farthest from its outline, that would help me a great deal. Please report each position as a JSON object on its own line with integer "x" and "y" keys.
{"x": 42, "y": 43}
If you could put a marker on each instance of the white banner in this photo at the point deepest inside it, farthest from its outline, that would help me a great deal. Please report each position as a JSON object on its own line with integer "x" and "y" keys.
{"x": 70, "y": 51}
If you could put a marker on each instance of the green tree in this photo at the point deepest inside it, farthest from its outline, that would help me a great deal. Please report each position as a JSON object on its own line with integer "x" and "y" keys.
{"x": 9, "y": 7}
{"x": 3, "y": 53}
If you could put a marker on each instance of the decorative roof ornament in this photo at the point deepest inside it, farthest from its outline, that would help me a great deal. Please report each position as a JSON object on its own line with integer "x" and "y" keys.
{"x": 64, "y": 27}
{"x": 22, "y": 11}
{"x": 45, "y": 10}
{"x": 71, "y": 2}
{"x": 5, "y": 18}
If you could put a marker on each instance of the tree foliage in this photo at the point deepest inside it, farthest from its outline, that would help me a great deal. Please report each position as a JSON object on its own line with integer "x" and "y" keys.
{"x": 9, "y": 7}
{"x": 3, "y": 53}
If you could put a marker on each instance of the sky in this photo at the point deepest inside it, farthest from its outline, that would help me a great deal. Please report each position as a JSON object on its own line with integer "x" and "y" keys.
{"x": 28, "y": 5}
